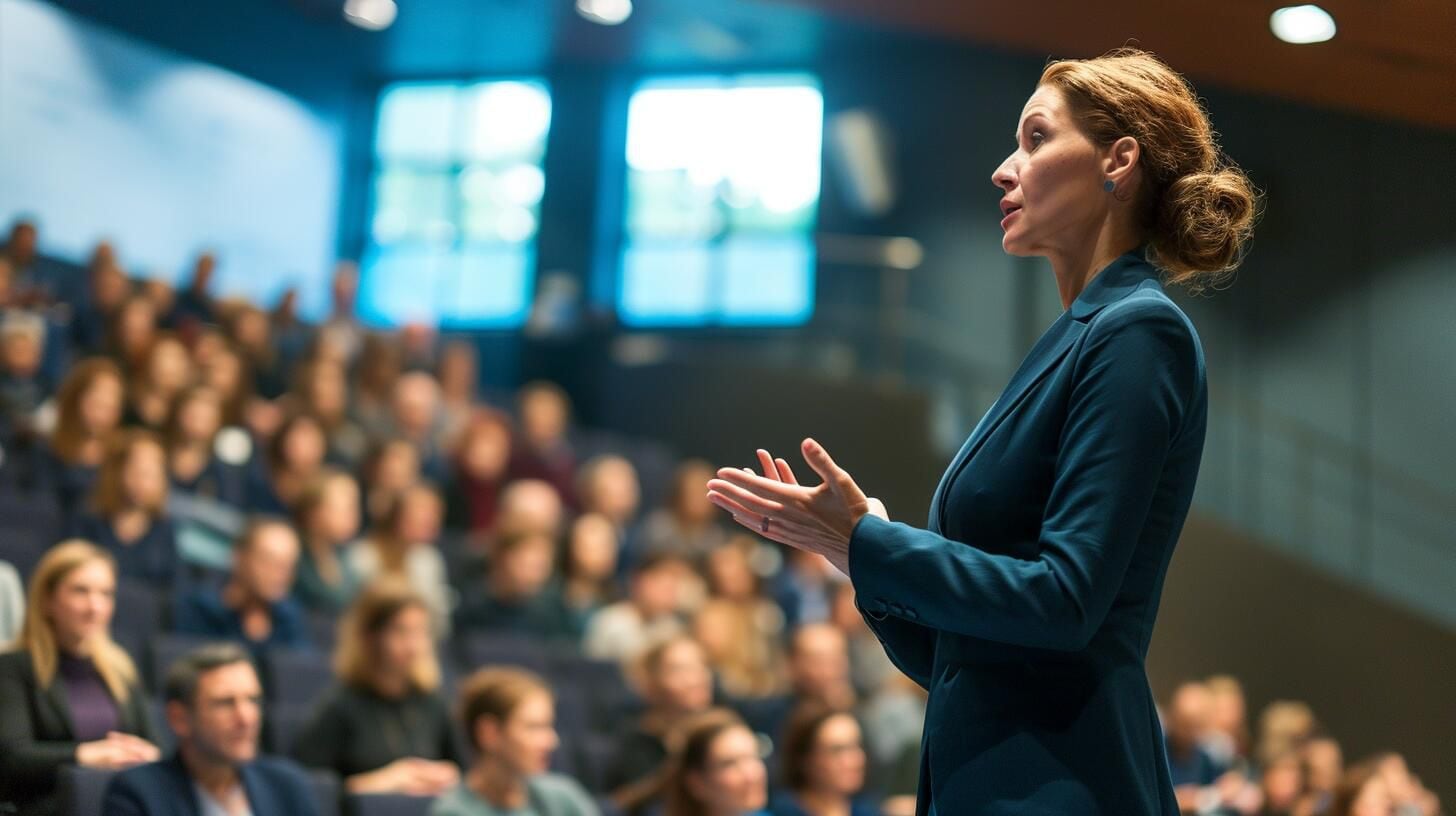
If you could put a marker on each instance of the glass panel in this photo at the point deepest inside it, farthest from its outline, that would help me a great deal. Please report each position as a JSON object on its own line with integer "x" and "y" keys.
{"x": 665, "y": 284}
{"x": 506, "y": 121}
{"x": 413, "y": 205}
{"x": 417, "y": 122}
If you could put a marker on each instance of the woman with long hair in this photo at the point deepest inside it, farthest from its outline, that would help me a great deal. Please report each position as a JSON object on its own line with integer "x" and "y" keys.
{"x": 674, "y": 679}
{"x": 193, "y": 463}
{"x": 716, "y": 769}
{"x": 385, "y": 727}
{"x": 509, "y": 716}
{"x": 405, "y": 544}
{"x": 89, "y": 407}
{"x": 1027, "y": 605}
{"x": 327, "y": 519}
{"x": 68, "y": 693}
{"x": 128, "y": 514}
{"x": 824, "y": 764}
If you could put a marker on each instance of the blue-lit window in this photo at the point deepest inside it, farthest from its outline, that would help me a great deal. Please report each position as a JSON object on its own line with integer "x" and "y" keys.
{"x": 456, "y": 202}
{"x": 722, "y": 196}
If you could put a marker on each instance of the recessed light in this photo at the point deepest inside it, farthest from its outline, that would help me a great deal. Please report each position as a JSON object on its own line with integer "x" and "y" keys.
{"x": 374, "y": 15}
{"x": 1302, "y": 25}
{"x": 605, "y": 12}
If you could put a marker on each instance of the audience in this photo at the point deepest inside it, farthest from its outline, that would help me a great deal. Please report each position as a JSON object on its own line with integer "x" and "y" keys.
{"x": 253, "y": 607}
{"x": 674, "y": 679}
{"x": 717, "y": 769}
{"x": 385, "y": 727}
{"x": 624, "y": 629}
{"x": 128, "y": 509}
{"x": 327, "y": 520}
{"x": 823, "y": 770}
{"x": 509, "y": 716}
{"x": 157, "y": 452}
{"x": 214, "y": 707}
{"x": 68, "y": 693}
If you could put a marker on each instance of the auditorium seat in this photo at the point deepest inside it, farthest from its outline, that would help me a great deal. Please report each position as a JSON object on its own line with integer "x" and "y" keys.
{"x": 481, "y": 649}
{"x": 82, "y": 790}
{"x": 296, "y": 675}
{"x": 386, "y": 804}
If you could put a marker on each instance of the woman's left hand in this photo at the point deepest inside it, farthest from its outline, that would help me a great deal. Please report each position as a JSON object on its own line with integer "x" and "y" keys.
{"x": 775, "y": 506}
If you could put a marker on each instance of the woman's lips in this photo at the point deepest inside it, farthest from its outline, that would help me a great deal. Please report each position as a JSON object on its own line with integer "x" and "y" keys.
{"x": 1008, "y": 216}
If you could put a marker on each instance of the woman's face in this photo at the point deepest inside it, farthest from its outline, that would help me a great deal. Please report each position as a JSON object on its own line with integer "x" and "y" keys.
{"x": 733, "y": 779}
{"x": 529, "y": 737}
{"x": 144, "y": 475}
{"x": 170, "y": 368}
{"x": 101, "y": 405}
{"x": 405, "y": 640}
{"x": 1055, "y": 177}
{"x": 486, "y": 451}
{"x": 328, "y": 390}
{"x": 304, "y": 448}
{"x": 419, "y": 519}
{"x": 730, "y": 573}
{"x": 683, "y": 681}
{"x": 837, "y": 760}
{"x": 593, "y": 548}
{"x": 399, "y": 467}
{"x": 81, "y": 606}
{"x": 337, "y": 516}
{"x": 136, "y": 323}
{"x": 200, "y": 417}
{"x": 225, "y": 372}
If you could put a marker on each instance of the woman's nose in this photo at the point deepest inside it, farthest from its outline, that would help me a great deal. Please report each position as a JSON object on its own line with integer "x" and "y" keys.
{"x": 1004, "y": 177}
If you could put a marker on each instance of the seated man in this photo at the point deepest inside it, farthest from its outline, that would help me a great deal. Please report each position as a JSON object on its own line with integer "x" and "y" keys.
{"x": 214, "y": 706}
{"x": 253, "y": 607}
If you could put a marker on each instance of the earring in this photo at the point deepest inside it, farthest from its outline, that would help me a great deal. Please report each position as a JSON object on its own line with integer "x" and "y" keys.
{"x": 1108, "y": 185}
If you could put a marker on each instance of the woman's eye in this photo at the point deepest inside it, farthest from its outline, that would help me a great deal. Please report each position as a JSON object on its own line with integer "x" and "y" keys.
{"x": 1035, "y": 135}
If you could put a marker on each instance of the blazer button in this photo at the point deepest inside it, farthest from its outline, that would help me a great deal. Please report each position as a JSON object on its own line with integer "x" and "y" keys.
{"x": 910, "y": 613}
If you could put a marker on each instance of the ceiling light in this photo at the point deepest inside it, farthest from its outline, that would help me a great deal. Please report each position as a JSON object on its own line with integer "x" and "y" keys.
{"x": 374, "y": 15}
{"x": 606, "y": 12}
{"x": 1302, "y": 25}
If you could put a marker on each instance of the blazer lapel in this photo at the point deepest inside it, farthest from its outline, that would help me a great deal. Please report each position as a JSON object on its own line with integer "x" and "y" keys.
{"x": 55, "y": 695}
{"x": 1048, "y": 351}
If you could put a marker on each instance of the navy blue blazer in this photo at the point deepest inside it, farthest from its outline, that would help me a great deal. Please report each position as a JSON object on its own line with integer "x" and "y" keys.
{"x": 164, "y": 789}
{"x": 1026, "y": 607}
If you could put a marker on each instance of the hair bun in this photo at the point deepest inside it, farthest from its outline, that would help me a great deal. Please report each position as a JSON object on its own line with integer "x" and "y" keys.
{"x": 1204, "y": 222}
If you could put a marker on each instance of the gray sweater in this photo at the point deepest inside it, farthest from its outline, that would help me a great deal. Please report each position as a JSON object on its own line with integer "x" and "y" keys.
{"x": 548, "y": 794}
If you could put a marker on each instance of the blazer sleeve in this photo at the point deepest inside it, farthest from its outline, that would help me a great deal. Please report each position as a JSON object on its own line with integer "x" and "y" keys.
{"x": 123, "y": 797}
{"x": 910, "y": 646}
{"x": 28, "y": 758}
{"x": 1133, "y": 385}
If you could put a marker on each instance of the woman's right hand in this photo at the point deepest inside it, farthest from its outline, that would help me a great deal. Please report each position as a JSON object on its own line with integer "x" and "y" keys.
{"x": 116, "y": 751}
{"x": 408, "y": 775}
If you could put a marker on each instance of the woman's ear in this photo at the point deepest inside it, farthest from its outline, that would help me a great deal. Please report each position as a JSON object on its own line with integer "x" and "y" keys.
{"x": 1121, "y": 160}
{"x": 487, "y": 734}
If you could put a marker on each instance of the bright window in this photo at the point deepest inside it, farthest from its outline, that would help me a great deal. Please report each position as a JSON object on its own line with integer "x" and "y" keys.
{"x": 456, "y": 195}
{"x": 722, "y": 196}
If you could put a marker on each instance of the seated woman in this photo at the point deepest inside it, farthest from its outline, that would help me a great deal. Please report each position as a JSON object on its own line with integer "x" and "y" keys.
{"x": 673, "y": 677}
{"x": 294, "y": 456}
{"x": 193, "y": 464}
{"x": 166, "y": 369}
{"x": 327, "y": 519}
{"x": 823, "y": 765}
{"x": 89, "y": 407}
{"x": 510, "y": 717}
{"x": 716, "y": 769}
{"x": 385, "y": 727}
{"x": 405, "y": 544}
{"x": 128, "y": 509}
{"x": 68, "y": 693}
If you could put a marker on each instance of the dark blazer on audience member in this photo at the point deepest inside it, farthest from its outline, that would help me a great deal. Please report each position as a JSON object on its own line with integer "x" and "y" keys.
{"x": 151, "y": 558}
{"x": 274, "y": 786}
{"x": 1026, "y": 607}
{"x": 36, "y": 736}
{"x": 203, "y": 613}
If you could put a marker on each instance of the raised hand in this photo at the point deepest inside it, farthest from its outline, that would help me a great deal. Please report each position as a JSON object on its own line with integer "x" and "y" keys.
{"x": 814, "y": 519}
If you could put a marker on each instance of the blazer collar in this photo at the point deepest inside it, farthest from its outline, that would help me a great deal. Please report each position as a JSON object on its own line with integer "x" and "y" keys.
{"x": 1126, "y": 273}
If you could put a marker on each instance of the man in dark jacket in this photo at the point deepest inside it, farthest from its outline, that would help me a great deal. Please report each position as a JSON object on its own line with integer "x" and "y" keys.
{"x": 214, "y": 705}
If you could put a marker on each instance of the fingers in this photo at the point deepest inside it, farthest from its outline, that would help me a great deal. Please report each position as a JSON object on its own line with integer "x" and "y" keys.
{"x": 771, "y": 489}
{"x": 767, "y": 463}
{"x": 747, "y": 498}
{"x": 819, "y": 460}
{"x": 786, "y": 473}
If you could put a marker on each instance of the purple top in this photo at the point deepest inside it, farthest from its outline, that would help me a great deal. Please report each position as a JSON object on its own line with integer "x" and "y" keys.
{"x": 93, "y": 711}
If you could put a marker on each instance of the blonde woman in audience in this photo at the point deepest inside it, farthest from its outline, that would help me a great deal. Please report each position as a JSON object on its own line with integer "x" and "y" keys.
{"x": 1227, "y": 740}
{"x": 68, "y": 693}
{"x": 385, "y": 726}
{"x": 674, "y": 679}
{"x": 89, "y": 407}
{"x": 327, "y": 519}
{"x": 404, "y": 544}
{"x": 717, "y": 769}
{"x": 1284, "y": 725}
{"x": 128, "y": 509}
{"x": 741, "y": 647}
{"x": 509, "y": 716}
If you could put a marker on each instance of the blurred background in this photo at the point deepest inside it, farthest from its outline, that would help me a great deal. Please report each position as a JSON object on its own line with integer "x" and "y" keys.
{"x": 609, "y": 245}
